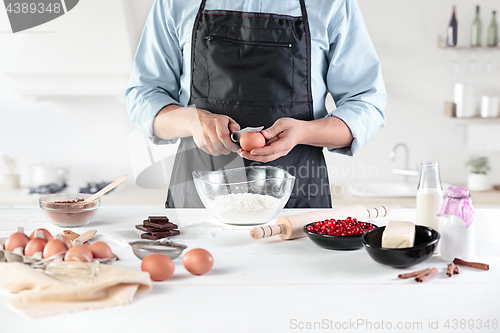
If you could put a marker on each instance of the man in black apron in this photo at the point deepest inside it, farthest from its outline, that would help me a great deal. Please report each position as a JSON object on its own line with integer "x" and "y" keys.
{"x": 254, "y": 68}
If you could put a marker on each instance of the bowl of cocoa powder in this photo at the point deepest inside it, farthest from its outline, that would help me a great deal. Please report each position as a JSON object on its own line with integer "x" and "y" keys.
{"x": 68, "y": 209}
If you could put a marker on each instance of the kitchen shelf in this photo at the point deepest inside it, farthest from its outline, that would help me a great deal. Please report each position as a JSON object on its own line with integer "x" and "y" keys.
{"x": 476, "y": 121}
{"x": 442, "y": 45}
{"x": 472, "y": 48}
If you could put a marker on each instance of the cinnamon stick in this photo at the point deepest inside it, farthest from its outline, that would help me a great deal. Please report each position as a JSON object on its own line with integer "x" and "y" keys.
{"x": 450, "y": 270}
{"x": 413, "y": 274}
{"x": 425, "y": 276}
{"x": 477, "y": 265}
{"x": 456, "y": 270}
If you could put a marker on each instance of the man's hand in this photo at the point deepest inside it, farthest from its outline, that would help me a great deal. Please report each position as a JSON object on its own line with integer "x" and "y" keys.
{"x": 285, "y": 134}
{"x": 212, "y": 133}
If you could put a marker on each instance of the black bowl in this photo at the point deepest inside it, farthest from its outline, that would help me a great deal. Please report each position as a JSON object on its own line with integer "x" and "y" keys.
{"x": 333, "y": 242}
{"x": 426, "y": 240}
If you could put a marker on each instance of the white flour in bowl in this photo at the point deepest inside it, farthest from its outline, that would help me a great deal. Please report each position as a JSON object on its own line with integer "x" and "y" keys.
{"x": 245, "y": 208}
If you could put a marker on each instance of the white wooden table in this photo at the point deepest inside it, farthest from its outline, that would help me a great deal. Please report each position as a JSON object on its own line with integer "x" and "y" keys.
{"x": 270, "y": 285}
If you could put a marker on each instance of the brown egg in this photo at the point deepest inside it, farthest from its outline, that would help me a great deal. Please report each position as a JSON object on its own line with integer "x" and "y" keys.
{"x": 101, "y": 250}
{"x": 17, "y": 239}
{"x": 34, "y": 245}
{"x": 46, "y": 234}
{"x": 54, "y": 247}
{"x": 159, "y": 266}
{"x": 251, "y": 140}
{"x": 198, "y": 261}
{"x": 79, "y": 253}
{"x": 65, "y": 240}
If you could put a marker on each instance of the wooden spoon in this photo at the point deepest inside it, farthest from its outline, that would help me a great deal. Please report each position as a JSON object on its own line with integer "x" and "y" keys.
{"x": 106, "y": 189}
{"x": 83, "y": 237}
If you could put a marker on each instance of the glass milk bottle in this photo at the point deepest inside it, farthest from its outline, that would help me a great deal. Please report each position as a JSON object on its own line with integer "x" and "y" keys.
{"x": 457, "y": 226}
{"x": 429, "y": 195}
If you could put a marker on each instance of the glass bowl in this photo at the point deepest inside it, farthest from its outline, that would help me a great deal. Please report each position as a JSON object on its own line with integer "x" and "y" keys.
{"x": 244, "y": 196}
{"x": 64, "y": 210}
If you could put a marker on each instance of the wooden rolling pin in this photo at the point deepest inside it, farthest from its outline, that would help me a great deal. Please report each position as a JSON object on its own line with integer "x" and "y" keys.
{"x": 291, "y": 227}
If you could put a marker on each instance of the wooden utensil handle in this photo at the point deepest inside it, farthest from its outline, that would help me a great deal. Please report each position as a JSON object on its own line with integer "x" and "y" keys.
{"x": 106, "y": 189}
{"x": 87, "y": 235}
{"x": 72, "y": 236}
{"x": 267, "y": 231}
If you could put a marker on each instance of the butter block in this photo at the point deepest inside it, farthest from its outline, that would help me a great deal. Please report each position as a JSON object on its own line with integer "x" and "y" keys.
{"x": 398, "y": 234}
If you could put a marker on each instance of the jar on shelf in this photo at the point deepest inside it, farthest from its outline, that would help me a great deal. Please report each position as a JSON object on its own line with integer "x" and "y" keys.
{"x": 457, "y": 226}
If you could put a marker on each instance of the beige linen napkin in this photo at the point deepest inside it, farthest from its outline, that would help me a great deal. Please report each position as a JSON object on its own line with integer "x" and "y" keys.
{"x": 42, "y": 295}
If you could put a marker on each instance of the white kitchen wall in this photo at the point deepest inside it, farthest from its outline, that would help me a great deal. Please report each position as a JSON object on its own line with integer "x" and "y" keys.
{"x": 89, "y": 135}
{"x": 86, "y": 135}
{"x": 419, "y": 77}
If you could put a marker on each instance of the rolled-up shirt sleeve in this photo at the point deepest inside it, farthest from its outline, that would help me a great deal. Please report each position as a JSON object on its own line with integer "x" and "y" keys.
{"x": 154, "y": 81}
{"x": 354, "y": 78}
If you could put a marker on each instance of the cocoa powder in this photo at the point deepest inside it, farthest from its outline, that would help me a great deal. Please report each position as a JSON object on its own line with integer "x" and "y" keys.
{"x": 70, "y": 212}
{"x": 70, "y": 201}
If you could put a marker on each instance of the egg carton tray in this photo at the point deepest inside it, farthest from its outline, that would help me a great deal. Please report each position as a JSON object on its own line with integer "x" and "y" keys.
{"x": 10, "y": 256}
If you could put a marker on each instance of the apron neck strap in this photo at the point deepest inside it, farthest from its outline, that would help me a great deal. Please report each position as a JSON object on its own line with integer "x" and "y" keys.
{"x": 302, "y": 8}
{"x": 304, "y": 11}
{"x": 202, "y": 5}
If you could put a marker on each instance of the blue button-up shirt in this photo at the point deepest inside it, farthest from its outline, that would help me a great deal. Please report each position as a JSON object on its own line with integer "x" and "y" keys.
{"x": 343, "y": 62}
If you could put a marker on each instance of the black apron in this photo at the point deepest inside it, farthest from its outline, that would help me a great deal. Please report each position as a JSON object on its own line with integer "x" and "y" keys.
{"x": 254, "y": 68}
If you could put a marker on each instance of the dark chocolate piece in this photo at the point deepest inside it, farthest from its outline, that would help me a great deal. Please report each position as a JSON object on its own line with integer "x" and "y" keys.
{"x": 151, "y": 229}
{"x": 159, "y": 219}
{"x": 163, "y": 234}
{"x": 158, "y": 225}
{"x": 158, "y": 235}
{"x": 147, "y": 235}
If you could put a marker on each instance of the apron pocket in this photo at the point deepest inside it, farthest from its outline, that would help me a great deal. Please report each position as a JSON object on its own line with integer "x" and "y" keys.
{"x": 268, "y": 69}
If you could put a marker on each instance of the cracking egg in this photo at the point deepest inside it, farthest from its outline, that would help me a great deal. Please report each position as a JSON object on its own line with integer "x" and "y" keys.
{"x": 251, "y": 140}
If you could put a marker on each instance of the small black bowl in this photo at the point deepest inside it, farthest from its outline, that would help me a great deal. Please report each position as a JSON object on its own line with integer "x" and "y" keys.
{"x": 426, "y": 240}
{"x": 333, "y": 242}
